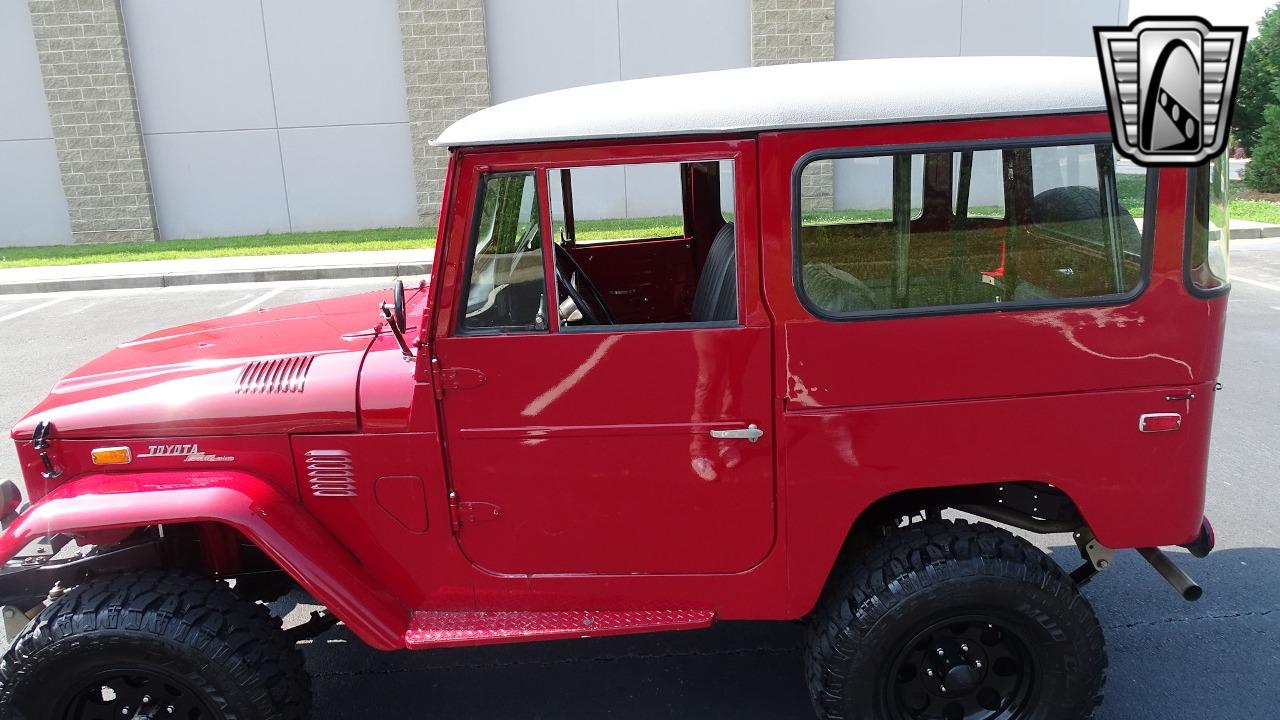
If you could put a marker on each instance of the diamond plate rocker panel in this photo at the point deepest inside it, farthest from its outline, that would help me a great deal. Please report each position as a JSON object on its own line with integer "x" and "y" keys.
{"x": 444, "y": 629}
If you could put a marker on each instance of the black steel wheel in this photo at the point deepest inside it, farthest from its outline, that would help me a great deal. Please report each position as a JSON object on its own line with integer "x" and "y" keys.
{"x": 134, "y": 694}
{"x": 153, "y": 645}
{"x": 965, "y": 668}
{"x": 944, "y": 620}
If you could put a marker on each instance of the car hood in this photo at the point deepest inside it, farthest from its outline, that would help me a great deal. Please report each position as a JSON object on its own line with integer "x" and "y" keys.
{"x": 282, "y": 370}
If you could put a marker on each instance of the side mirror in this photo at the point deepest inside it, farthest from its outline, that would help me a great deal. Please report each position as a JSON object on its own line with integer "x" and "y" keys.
{"x": 394, "y": 315}
{"x": 398, "y": 300}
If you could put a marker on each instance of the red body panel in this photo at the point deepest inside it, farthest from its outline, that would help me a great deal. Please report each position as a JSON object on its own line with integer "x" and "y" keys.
{"x": 275, "y": 523}
{"x": 186, "y": 380}
{"x": 573, "y": 470}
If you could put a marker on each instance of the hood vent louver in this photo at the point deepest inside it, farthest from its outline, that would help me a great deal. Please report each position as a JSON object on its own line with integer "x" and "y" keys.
{"x": 281, "y": 375}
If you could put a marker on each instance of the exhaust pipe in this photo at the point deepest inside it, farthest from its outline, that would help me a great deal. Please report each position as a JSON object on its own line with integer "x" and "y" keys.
{"x": 1180, "y": 581}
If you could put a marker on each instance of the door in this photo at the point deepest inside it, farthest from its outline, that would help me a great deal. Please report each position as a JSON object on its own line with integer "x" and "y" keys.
{"x": 581, "y": 446}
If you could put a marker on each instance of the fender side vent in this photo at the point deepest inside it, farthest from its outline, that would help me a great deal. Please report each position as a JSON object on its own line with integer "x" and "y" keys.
{"x": 281, "y": 375}
{"x": 331, "y": 473}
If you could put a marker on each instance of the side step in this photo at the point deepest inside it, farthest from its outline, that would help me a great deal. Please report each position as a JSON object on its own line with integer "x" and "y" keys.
{"x": 430, "y": 629}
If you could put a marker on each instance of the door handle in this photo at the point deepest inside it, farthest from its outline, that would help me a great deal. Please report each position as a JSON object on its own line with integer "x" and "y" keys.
{"x": 751, "y": 433}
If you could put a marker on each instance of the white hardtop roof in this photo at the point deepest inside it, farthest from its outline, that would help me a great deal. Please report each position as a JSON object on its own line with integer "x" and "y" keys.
{"x": 852, "y": 92}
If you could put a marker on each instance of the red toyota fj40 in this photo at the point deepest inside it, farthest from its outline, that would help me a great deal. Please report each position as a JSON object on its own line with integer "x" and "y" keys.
{"x": 876, "y": 294}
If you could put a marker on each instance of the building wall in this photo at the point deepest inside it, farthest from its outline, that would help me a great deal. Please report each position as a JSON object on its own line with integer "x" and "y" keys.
{"x": 447, "y": 76}
{"x": 269, "y": 116}
{"x": 33, "y": 209}
{"x": 795, "y": 31}
{"x": 137, "y": 119}
{"x": 923, "y": 28}
{"x": 85, "y": 67}
{"x": 592, "y": 41}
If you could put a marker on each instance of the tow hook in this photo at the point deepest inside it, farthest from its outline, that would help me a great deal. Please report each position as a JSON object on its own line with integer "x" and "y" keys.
{"x": 1180, "y": 581}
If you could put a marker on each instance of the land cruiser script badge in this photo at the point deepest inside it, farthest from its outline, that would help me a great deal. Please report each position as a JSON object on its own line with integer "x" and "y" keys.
{"x": 192, "y": 452}
{"x": 1171, "y": 85}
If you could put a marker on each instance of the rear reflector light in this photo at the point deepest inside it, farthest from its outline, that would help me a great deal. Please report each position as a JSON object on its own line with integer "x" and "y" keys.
{"x": 1159, "y": 422}
{"x": 111, "y": 456}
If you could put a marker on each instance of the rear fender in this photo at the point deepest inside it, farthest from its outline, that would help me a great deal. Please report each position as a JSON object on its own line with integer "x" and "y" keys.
{"x": 279, "y": 525}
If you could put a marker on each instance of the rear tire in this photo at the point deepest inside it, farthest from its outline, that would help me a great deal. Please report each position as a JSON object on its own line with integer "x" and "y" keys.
{"x": 941, "y": 602}
{"x": 134, "y": 644}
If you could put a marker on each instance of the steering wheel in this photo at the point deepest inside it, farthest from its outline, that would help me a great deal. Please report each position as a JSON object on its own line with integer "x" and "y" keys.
{"x": 597, "y": 315}
{"x": 588, "y": 313}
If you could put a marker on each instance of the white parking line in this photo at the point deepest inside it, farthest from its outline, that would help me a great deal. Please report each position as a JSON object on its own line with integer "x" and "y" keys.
{"x": 256, "y": 301}
{"x": 232, "y": 301}
{"x": 33, "y": 308}
{"x": 1257, "y": 283}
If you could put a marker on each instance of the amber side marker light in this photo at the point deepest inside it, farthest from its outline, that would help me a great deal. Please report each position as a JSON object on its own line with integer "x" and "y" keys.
{"x": 111, "y": 456}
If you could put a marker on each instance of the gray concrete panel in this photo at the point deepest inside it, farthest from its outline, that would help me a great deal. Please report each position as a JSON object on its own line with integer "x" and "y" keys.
{"x": 668, "y": 37}
{"x": 25, "y": 114}
{"x": 1044, "y": 27}
{"x": 199, "y": 65}
{"x": 349, "y": 177}
{"x": 335, "y": 62}
{"x": 33, "y": 209}
{"x": 904, "y": 28}
{"x": 598, "y": 193}
{"x": 215, "y": 184}
{"x": 654, "y": 189}
{"x": 540, "y": 46}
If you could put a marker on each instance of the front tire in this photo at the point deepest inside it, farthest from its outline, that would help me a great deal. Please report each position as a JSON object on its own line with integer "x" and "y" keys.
{"x": 947, "y": 620}
{"x": 154, "y": 645}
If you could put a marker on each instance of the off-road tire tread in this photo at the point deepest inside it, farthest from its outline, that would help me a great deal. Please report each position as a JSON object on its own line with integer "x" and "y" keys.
{"x": 918, "y": 557}
{"x": 199, "y": 614}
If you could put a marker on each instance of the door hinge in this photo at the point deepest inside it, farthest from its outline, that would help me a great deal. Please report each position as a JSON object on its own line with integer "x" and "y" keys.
{"x": 454, "y": 378}
{"x": 470, "y": 512}
{"x": 437, "y": 385}
{"x": 461, "y": 378}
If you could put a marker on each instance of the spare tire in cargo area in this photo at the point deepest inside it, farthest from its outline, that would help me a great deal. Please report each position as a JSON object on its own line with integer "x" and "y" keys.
{"x": 1078, "y": 204}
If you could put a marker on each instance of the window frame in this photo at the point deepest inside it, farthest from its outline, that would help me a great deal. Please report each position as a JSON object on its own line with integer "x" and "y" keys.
{"x": 1194, "y": 174}
{"x": 469, "y": 256}
{"x": 470, "y": 167}
{"x": 834, "y": 153}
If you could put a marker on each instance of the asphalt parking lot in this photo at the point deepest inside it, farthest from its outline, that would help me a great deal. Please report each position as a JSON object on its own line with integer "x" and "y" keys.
{"x": 1170, "y": 659}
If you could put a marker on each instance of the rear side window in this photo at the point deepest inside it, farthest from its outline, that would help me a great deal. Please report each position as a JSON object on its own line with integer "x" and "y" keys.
{"x": 1207, "y": 241}
{"x": 505, "y": 290}
{"x": 966, "y": 228}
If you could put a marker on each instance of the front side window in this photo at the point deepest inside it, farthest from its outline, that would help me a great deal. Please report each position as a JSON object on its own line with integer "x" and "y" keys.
{"x": 970, "y": 228}
{"x": 505, "y": 290}
{"x": 1208, "y": 239}
{"x": 644, "y": 245}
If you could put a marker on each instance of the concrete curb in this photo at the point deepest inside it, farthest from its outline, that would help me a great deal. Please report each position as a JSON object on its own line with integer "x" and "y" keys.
{"x": 160, "y": 280}
{"x": 1256, "y": 233}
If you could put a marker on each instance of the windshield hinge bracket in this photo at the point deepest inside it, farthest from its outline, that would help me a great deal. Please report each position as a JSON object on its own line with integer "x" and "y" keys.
{"x": 461, "y": 512}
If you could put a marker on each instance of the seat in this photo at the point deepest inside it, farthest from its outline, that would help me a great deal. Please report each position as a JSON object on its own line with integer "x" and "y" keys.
{"x": 716, "y": 298}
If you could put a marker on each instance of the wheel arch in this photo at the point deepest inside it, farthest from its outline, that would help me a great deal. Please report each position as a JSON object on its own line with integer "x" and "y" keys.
{"x": 1028, "y": 506}
{"x": 98, "y": 504}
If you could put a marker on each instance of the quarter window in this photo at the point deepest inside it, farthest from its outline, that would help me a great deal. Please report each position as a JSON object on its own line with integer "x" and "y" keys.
{"x": 1207, "y": 243}
{"x": 970, "y": 228}
{"x": 505, "y": 289}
